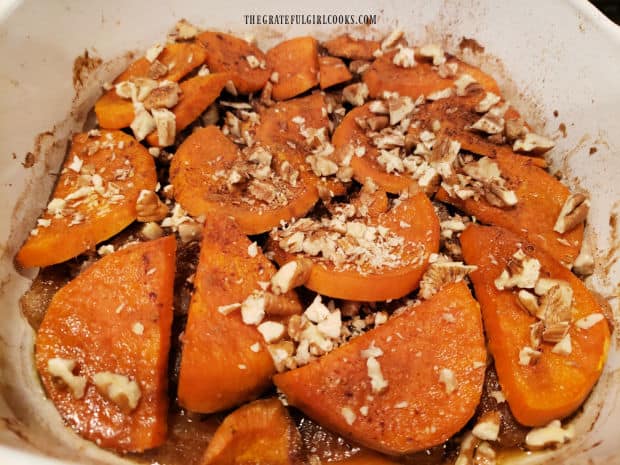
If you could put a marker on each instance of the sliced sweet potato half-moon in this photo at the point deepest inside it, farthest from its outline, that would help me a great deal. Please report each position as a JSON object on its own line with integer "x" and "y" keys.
{"x": 540, "y": 199}
{"x": 345, "y": 46}
{"x": 297, "y": 63}
{"x": 332, "y": 71}
{"x": 179, "y": 57}
{"x": 115, "y": 112}
{"x": 556, "y": 384}
{"x": 286, "y": 122}
{"x": 455, "y": 115}
{"x": 260, "y": 432}
{"x": 287, "y": 126}
{"x": 421, "y": 79}
{"x": 433, "y": 372}
{"x": 220, "y": 366}
{"x": 112, "y": 321}
{"x": 197, "y": 94}
{"x": 349, "y": 134}
{"x": 195, "y": 175}
{"x": 414, "y": 220}
{"x": 94, "y": 198}
{"x": 244, "y": 61}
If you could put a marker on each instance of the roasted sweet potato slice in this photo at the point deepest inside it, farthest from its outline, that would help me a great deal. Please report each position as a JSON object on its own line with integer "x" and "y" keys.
{"x": 414, "y": 220}
{"x": 346, "y": 46}
{"x": 287, "y": 122}
{"x": 556, "y": 385}
{"x": 229, "y": 54}
{"x": 455, "y": 115}
{"x": 197, "y": 94}
{"x": 332, "y": 71}
{"x": 198, "y": 174}
{"x": 95, "y": 197}
{"x": 422, "y": 79}
{"x": 180, "y": 58}
{"x": 114, "y": 112}
{"x": 433, "y": 372}
{"x": 297, "y": 63}
{"x": 102, "y": 348}
{"x": 292, "y": 128}
{"x": 220, "y": 367}
{"x": 260, "y": 432}
{"x": 540, "y": 199}
{"x": 348, "y": 134}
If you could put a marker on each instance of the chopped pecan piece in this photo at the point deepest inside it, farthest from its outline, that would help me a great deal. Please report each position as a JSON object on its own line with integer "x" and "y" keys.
{"x": 440, "y": 274}
{"x": 164, "y": 96}
{"x": 157, "y": 70}
{"x": 556, "y": 307}
{"x": 533, "y": 143}
{"x": 149, "y": 207}
{"x": 574, "y": 212}
{"x": 355, "y": 94}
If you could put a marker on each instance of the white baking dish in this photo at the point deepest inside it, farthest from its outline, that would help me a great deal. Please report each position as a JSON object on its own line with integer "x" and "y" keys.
{"x": 552, "y": 57}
